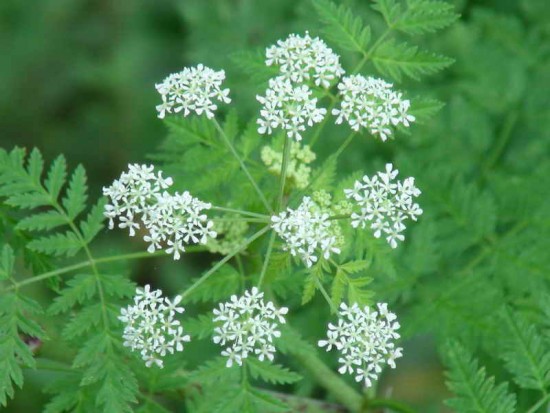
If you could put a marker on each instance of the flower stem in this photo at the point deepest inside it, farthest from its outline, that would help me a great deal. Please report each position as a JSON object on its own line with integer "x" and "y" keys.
{"x": 267, "y": 257}
{"x": 344, "y": 144}
{"x": 243, "y": 166}
{"x": 239, "y": 211}
{"x": 220, "y": 263}
{"x": 325, "y": 294}
{"x": 284, "y": 167}
{"x": 328, "y": 379}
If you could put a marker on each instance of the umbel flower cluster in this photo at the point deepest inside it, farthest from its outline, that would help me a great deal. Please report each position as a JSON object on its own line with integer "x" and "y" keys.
{"x": 288, "y": 107}
{"x": 195, "y": 89}
{"x": 151, "y": 327}
{"x": 247, "y": 325}
{"x": 301, "y": 58}
{"x": 307, "y": 232}
{"x": 171, "y": 221}
{"x": 385, "y": 204}
{"x": 365, "y": 341}
{"x": 371, "y": 103}
{"x": 298, "y": 172}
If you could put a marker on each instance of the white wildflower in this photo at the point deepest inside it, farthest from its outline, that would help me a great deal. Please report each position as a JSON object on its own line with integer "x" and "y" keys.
{"x": 307, "y": 232}
{"x": 301, "y": 58}
{"x": 195, "y": 89}
{"x": 372, "y": 104}
{"x": 151, "y": 327}
{"x": 247, "y": 326}
{"x": 138, "y": 199}
{"x": 288, "y": 107}
{"x": 385, "y": 203}
{"x": 365, "y": 339}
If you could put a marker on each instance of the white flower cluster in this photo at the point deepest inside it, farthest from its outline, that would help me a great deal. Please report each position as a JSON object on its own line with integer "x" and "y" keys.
{"x": 151, "y": 327}
{"x": 297, "y": 172}
{"x": 171, "y": 221}
{"x": 372, "y": 103}
{"x": 301, "y": 58}
{"x": 307, "y": 232}
{"x": 365, "y": 340}
{"x": 248, "y": 325}
{"x": 289, "y": 107}
{"x": 385, "y": 203}
{"x": 194, "y": 89}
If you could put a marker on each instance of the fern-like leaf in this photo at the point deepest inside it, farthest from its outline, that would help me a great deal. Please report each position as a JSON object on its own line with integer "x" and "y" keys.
{"x": 343, "y": 27}
{"x": 475, "y": 392}
{"x": 426, "y": 16}
{"x": 525, "y": 352}
{"x": 396, "y": 60}
{"x": 271, "y": 373}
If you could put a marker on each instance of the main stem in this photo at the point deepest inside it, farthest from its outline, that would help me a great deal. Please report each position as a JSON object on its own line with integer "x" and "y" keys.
{"x": 243, "y": 166}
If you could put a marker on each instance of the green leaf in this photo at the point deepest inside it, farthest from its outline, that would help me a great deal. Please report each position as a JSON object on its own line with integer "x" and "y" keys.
{"x": 80, "y": 288}
{"x": 353, "y": 267}
{"x": 200, "y": 327}
{"x": 343, "y": 27}
{"x": 94, "y": 221}
{"x": 7, "y": 260}
{"x": 59, "y": 244}
{"x": 426, "y": 16}
{"x": 41, "y": 222}
{"x": 35, "y": 166}
{"x": 15, "y": 318}
{"x": 271, "y": 373}
{"x": 310, "y": 286}
{"x": 475, "y": 392}
{"x": 252, "y": 64}
{"x": 325, "y": 175}
{"x": 57, "y": 176}
{"x": 76, "y": 197}
{"x": 397, "y": 59}
{"x": 390, "y": 10}
{"x": 82, "y": 321}
{"x": 213, "y": 370}
{"x": 424, "y": 108}
{"x": 524, "y": 352}
{"x": 28, "y": 200}
{"x": 117, "y": 285}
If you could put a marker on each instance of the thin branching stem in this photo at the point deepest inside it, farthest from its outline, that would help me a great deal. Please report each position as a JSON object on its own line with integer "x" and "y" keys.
{"x": 267, "y": 257}
{"x": 242, "y": 164}
{"x": 284, "y": 167}
{"x": 239, "y": 211}
{"x": 325, "y": 294}
{"x": 220, "y": 263}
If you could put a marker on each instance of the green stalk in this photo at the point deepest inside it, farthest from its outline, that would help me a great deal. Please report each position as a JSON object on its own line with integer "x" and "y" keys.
{"x": 284, "y": 167}
{"x": 242, "y": 164}
{"x": 267, "y": 257}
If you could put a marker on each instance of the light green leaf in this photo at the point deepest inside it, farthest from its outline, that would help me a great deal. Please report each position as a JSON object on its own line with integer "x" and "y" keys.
{"x": 76, "y": 197}
{"x": 57, "y": 176}
{"x": 271, "y": 373}
{"x": 343, "y": 27}
{"x": 59, "y": 244}
{"x": 41, "y": 222}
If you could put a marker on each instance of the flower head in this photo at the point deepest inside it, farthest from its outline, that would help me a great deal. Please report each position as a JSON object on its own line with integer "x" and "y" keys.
{"x": 138, "y": 199}
{"x": 307, "y": 231}
{"x": 195, "y": 89}
{"x": 385, "y": 203}
{"x": 289, "y": 107}
{"x": 372, "y": 104}
{"x": 301, "y": 58}
{"x": 151, "y": 327}
{"x": 365, "y": 339}
{"x": 247, "y": 325}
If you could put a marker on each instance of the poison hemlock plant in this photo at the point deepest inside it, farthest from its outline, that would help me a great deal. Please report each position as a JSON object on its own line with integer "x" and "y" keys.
{"x": 285, "y": 229}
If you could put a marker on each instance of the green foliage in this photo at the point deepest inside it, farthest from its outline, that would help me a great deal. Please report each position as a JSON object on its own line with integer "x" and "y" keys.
{"x": 475, "y": 392}
{"x": 342, "y": 27}
{"x": 271, "y": 373}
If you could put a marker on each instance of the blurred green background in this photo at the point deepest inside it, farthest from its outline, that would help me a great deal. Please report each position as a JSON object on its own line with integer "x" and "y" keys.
{"x": 77, "y": 77}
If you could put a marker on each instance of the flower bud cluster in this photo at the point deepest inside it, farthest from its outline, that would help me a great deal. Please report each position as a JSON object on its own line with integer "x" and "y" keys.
{"x": 385, "y": 204}
{"x": 297, "y": 173}
{"x": 171, "y": 221}
{"x": 372, "y": 104}
{"x": 365, "y": 340}
{"x": 247, "y": 325}
{"x": 288, "y": 107}
{"x": 307, "y": 231}
{"x": 301, "y": 58}
{"x": 151, "y": 327}
{"x": 195, "y": 89}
